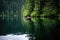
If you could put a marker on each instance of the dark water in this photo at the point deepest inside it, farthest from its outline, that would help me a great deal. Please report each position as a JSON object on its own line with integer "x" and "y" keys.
{"x": 40, "y": 29}
{"x": 12, "y": 27}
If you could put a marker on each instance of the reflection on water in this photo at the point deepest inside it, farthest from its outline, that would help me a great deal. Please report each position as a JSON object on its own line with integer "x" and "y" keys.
{"x": 34, "y": 29}
{"x": 44, "y": 28}
{"x": 14, "y": 37}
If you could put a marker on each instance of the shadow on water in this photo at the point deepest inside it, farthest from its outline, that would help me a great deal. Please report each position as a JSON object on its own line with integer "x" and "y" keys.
{"x": 45, "y": 28}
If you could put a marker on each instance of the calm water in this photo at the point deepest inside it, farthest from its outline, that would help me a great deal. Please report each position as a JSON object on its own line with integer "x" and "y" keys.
{"x": 33, "y": 29}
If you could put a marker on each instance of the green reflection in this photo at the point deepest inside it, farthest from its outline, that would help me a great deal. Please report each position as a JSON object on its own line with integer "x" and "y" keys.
{"x": 44, "y": 18}
{"x": 40, "y": 27}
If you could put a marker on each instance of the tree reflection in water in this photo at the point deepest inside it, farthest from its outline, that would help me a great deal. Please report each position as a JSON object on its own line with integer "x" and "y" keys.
{"x": 42, "y": 28}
